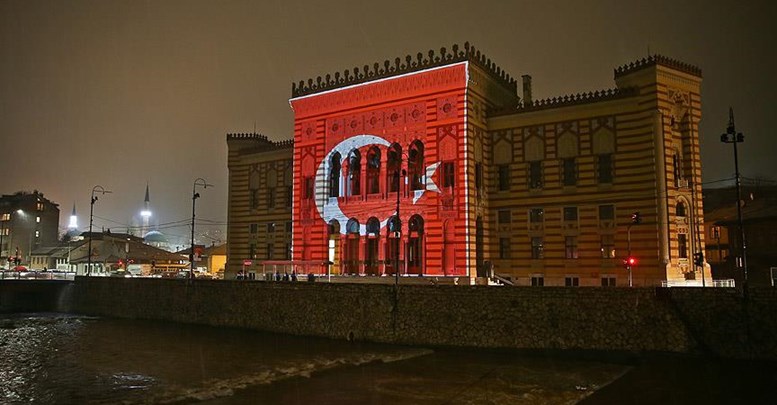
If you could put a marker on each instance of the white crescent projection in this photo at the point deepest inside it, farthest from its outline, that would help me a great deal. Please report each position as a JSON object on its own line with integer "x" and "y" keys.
{"x": 329, "y": 207}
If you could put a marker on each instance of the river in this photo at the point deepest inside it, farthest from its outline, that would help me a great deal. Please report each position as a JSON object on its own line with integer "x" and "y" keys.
{"x": 70, "y": 359}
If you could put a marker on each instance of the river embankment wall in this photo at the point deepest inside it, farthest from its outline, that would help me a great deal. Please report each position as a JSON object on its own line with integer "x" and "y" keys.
{"x": 713, "y": 321}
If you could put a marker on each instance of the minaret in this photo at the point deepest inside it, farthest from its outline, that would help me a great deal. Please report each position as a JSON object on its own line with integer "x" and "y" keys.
{"x": 73, "y": 225}
{"x": 145, "y": 214}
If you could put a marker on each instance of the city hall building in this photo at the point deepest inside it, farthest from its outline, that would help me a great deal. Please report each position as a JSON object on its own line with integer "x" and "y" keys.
{"x": 441, "y": 165}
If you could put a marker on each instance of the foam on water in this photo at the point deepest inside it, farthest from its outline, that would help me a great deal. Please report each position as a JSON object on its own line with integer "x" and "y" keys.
{"x": 216, "y": 388}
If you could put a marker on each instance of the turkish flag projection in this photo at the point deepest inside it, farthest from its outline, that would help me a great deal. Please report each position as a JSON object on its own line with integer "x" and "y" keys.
{"x": 363, "y": 151}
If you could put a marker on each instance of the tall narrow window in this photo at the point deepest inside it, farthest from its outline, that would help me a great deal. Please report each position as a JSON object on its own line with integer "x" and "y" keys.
{"x": 269, "y": 251}
{"x": 569, "y": 171}
{"x": 270, "y": 198}
{"x": 334, "y": 175}
{"x": 503, "y": 217}
{"x": 415, "y": 166}
{"x": 504, "y": 248}
{"x": 604, "y": 168}
{"x": 608, "y": 246}
{"x": 393, "y": 167}
{"x": 448, "y": 174}
{"x": 570, "y": 247}
{"x": 503, "y": 173}
{"x": 570, "y": 214}
{"x": 373, "y": 171}
{"x": 478, "y": 177}
{"x": 309, "y": 187}
{"x": 537, "y": 248}
{"x": 535, "y": 175}
{"x": 354, "y": 172}
{"x": 682, "y": 245}
{"x": 536, "y": 216}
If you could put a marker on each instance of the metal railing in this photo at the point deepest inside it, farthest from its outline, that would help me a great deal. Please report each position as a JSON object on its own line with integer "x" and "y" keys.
{"x": 36, "y": 275}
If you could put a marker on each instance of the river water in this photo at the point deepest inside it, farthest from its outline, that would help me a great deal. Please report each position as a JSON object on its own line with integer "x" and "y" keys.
{"x": 69, "y": 359}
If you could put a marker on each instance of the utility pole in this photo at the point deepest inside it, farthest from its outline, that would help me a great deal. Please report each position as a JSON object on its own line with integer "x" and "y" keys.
{"x": 732, "y": 136}
{"x": 102, "y": 190}
{"x": 195, "y": 195}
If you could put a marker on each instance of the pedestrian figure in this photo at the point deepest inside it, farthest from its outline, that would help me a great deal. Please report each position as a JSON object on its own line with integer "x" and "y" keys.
{"x": 277, "y": 276}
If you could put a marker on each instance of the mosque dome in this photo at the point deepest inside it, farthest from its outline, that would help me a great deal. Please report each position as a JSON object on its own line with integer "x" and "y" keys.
{"x": 155, "y": 237}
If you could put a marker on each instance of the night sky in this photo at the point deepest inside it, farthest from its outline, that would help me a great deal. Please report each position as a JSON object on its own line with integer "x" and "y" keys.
{"x": 122, "y": 94}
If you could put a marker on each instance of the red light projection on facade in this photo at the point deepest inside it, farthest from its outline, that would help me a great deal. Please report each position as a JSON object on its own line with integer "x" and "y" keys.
{"x": 358, "y": 150}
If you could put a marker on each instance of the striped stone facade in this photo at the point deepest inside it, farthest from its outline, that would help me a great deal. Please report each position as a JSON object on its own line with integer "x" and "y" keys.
{"x": 548, "y": 188}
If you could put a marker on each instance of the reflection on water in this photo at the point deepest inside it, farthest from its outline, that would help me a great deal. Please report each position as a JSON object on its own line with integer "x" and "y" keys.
{"x": 55, "y": 358}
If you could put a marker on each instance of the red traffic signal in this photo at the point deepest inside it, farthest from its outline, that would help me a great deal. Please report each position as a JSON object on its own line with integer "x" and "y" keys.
{"x": 630, "y": 261}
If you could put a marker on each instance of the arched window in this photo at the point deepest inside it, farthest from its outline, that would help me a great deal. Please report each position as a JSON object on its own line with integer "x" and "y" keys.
{"x": 415, "y": 165}
{"x": 373, "y": 171}
{"x": 371, "y": 248}
{"x": 415, "y": 245}
{"x": 416, "y": 225}
{"x": 393, "y": 166}
{"x": 334, "y": 175}
{"x": 354, "y": 172}
{"x": 352, "y": 247}
{"x": 392, "y": 261}
{"x": 352, "y": 226}
{"x": 680, "y": 209}
{"x": 373, "y": 226}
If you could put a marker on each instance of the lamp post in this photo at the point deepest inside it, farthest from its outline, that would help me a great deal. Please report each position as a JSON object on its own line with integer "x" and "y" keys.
{"x": 195, "y": 195}
{"x": 732, "y": 136}
{"x": 2, "y": 233}
{"x": 398, "y": 223}
{"x": 103, "y": 191}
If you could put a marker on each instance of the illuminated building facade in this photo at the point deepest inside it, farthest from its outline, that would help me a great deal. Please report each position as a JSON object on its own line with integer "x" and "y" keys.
{"x": 27, "y": 221}
{"x": 543, "y": 191}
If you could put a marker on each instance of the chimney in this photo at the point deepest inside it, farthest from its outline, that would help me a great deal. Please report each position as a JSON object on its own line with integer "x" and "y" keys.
{"x": 527, "y": 100}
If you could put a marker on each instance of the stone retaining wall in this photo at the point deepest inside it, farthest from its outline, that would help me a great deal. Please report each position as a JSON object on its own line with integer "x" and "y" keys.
{"x": 684, "y": 320}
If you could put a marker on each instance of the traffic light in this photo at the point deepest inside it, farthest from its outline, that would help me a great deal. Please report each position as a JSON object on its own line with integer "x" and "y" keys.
{"x": 636, "y": 218}
{"x": 698, "y": 259}
{"x": 630, "y": 261}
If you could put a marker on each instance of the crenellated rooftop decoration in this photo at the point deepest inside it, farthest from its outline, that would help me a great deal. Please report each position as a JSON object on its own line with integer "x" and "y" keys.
{"x": 420, "y": 62}
{"x": 653, "y": 60}
{"x": 262, "y": 139}
{"x": 572, "y": 99}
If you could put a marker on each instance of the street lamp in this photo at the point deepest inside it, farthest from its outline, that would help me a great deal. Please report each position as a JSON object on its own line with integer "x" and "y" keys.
{"x": 630, "y": 261}
{"x": 398, "y": 222}
{"x": 195, "y": 195}
{"x": 101, "y": 190}
{"x": 732, "y": 136}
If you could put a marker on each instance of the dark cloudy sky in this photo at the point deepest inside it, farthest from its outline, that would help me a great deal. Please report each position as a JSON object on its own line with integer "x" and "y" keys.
{"x": 121, "y": 93}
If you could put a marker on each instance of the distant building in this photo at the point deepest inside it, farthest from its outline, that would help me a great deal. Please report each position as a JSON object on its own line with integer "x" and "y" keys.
{"x": 116, "y": 251}
{"x": 27, "y": 221}
{"x": 759, "y": 219}
{"x": 540, "y": 192}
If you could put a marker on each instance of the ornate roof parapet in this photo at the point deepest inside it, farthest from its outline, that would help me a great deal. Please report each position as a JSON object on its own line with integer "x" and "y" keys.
{"x": 261, "y": 140}
{"x": 571, "y": 99}
{"x": 653, "y": 60}
{"x": 388, "y": 69}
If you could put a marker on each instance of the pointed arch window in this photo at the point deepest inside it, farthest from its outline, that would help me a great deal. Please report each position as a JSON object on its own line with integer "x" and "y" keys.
{"x": 393, "y": 165}
{"x": 354, "y": 172}
{"x": 373, "y": 171}
{"x": 415, "y": 166}
{"x": 680, "y": 209}
{"x": 334, "y": 175}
